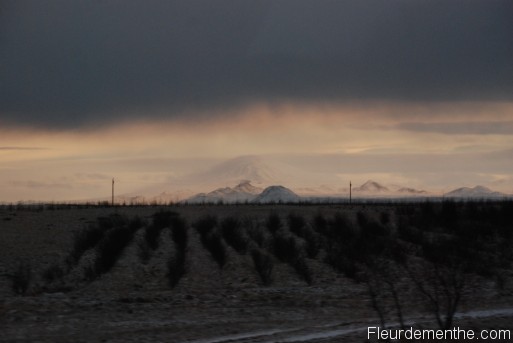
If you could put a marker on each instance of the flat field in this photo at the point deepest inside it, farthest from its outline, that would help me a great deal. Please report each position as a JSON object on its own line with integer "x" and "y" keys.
{"x": 247, "y": 273}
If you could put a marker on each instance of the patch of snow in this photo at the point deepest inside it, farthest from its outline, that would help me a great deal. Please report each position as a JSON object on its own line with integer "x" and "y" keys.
{"x": 276, "y": 194}
{"x": 243, "y": 192}
{"x": 475, "y": 192}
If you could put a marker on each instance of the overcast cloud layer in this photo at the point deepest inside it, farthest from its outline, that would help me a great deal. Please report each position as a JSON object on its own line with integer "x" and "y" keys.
{"x": 69, "y": 63}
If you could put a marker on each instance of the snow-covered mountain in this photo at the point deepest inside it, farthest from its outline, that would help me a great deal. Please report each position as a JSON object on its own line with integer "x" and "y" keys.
{"x": 263, "y": 171}
{"x": 243, "y": 192}
{"x": 246, "y": 187}
{"x": 277, "y": 194}
{"x": 371, "y": 187}
{"x": 475, "y": 192}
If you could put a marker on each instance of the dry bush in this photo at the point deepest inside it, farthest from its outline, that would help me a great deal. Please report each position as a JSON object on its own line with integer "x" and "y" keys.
{"x": 21, "y": 278}
{"x": 289, "y": 251}
{"x": 84, "y": 240}
{"x": 213, "y": 242}
{"x": 264, "y": 266}
{"x": 273, "y": 222}
{"x": 176, "y": 264}
{"x": 110, "y": 248}
{"x": 234, "y": 234}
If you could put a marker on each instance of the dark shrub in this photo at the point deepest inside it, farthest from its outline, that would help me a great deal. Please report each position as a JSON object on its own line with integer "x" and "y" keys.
{"x": 264, "y": 265}
{"x": 84, "y": 240}
{"x": 90, "y": 273}
{"x": 234, "y": 234}
{"x": 375, "y": 229}
{"x": 179, "y": 233}
{"x": 341, "y": 228}
{"x": 449, "y": 214}
{"x": 286, "y": 248}
{"x": 504, "y": 217}
{"x": 384, "y": 218}
{"x": 52, "y": 273}
{"x": 110, "y": 248}
{"x": 296, "y": 224}
{"x": 161, "y": 220}
{"x": 136, "y": 223}
{"x": 21, "y": 278}
{"x": 205, "y": 224}
{"x": 426, "y": 217}
{"x": 303, "y": 270}
{"x": 273, "y": 222}
{"x": 320, "y": 224}
{"x": 342, "y": 264}
{"x": 362, "y": 219}
{"x": 313, "y": 243}
{"x": 258, "y": 235}
{"x": 212, "y": 241}
{"x": 410, "y": 234}
{"x": 111, "y": 221}
{"x": 143, "y": 250}
{"x": 399, "y": 252}
{"x": 151, "y": 235}
{"x": 176, "y": 263}
{"x": 370, "y": 227}
{"x": 289, "y": 251}
{"x": 176, "y": 268}
{"x": 164, "y": 219}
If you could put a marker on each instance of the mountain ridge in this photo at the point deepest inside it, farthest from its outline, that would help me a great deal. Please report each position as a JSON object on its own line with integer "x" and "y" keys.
{"x": 246, "y": 192}
{"x": 474, "y": 192}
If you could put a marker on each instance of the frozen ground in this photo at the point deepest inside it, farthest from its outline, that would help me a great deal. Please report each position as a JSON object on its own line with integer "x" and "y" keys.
{"x": 134, "y": 303}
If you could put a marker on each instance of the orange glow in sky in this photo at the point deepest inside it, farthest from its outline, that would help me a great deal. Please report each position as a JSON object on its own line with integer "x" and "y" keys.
{"x": 64, "y": 165}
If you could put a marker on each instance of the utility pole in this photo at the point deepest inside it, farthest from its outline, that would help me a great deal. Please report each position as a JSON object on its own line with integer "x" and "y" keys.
{"x": 350, "y": 192}
{"x": 112, "y": 192}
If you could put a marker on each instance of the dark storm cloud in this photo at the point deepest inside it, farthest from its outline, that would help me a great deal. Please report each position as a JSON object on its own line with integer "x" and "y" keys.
{"x": 68, "y": 63}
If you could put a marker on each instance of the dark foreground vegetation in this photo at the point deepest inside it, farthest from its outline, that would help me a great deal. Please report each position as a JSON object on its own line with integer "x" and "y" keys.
{"x": 433, "y": 252}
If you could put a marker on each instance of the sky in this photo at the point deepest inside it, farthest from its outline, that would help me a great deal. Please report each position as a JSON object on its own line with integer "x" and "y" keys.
{"x": 412, "y": 92}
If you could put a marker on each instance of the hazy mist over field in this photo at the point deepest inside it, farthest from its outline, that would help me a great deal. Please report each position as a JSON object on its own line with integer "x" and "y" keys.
{"x": 188, "y": 96}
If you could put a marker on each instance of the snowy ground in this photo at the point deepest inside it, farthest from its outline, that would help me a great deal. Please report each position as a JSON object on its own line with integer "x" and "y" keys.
{"x": 133, "y": 303}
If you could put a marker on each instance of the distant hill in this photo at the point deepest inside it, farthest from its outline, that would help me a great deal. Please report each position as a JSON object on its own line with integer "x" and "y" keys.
{"x": 475, "y": 192}
{"x": 264, "y": 171}
{"x": 275, "y": 194}
{"x": 243, "y": 192}
{"x": 371, "y": 187}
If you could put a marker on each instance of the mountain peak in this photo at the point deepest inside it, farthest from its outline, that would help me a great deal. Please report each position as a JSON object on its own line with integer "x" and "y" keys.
{"x": 475, "y": 192}
{"x": 246, "y": 168}
{"x": 274, "y": 194}
{"x": 244, "y": 191}
{"x": 371, "y": 187}
{"x": 484, "y": 189}
{"x": 245, "y": 186}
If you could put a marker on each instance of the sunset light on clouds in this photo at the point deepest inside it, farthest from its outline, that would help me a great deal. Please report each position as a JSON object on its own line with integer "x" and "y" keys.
{"x": 402, "y": 92}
